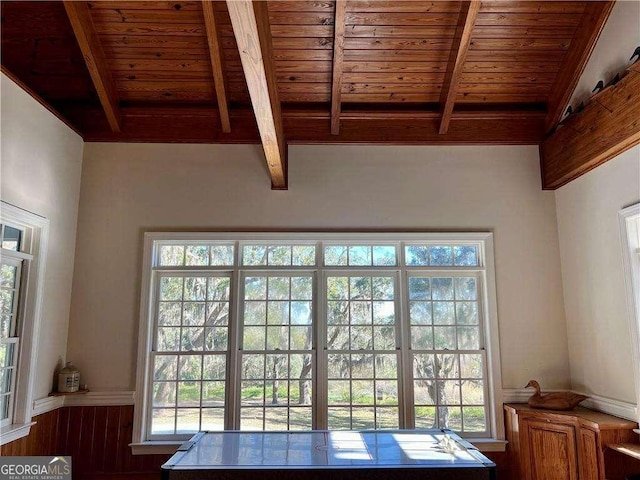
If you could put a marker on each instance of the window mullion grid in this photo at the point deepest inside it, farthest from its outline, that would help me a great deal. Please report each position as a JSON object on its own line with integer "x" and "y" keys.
{"x": 319, "y": 349}
{"x": 181, "y": 355}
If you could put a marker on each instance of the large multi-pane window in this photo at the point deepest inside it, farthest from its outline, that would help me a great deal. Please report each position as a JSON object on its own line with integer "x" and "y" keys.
{"x": 10, "y": 287}
{"x": 23, "y": 240}
{"x": 325, "y": 331}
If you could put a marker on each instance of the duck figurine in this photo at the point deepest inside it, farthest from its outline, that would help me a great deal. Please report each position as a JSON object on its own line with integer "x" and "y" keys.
{"x": 553, "y": 401}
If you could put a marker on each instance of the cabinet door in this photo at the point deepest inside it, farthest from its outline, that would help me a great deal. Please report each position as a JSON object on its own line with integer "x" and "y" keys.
{"x": 590, "y": 465}
{"x": 550, "y": 450}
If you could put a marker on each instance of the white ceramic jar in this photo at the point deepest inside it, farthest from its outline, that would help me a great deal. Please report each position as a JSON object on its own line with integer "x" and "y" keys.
{"x": 69, "y": 379}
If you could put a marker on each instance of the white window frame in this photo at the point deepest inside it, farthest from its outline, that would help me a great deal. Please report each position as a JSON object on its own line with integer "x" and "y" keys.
{"x": 489, "y": 320}
{"x": 629, "y": 219}
{"x": 35, "y": 234}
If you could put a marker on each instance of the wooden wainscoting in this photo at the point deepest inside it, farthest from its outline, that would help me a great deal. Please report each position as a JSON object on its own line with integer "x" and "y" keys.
{"x": 42, "y": 440}
{"x": 96, "y": 437}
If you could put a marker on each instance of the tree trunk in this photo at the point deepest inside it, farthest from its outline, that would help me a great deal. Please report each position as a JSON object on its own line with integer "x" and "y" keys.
{"x": 276, "y": 383}
{"x": 303, "y": 382}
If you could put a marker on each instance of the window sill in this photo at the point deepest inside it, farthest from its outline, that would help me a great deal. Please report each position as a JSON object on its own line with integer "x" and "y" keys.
{"x": 155, "y": 447}
{"x": 170, "y": 447}
{"x": 14, "y": 432}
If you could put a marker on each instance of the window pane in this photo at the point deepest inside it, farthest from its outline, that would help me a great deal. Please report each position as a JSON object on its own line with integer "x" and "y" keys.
{"x": 254, "y": 255}
{"x": 169, "y": 313}
{"x": 188, "y": 420}
{"x": 8, "y": 276}
{"x": 197, "y": 255}
{"x": 474, "y": 419}
{"x": 222, "y": 255}
{"x": 212, "y": 419}
{"x": 335, "y": 255}
{"x": 303, "y": 255}
{"x": 416, "y": 255}
{"x": 163, "y": 421}
{"x": 419, "y": 288}
{"x": 172, "y": 255}
{"x": 213, "y": 394}
{"x": 171, "y": 288}
{"x": 164, "y": 394}
{"x": 442, "y": 288}
{"x": 465, "y": 255}
{"x": 466, "y": 288}
{"x": 255, "y": 288}
{"x": 359, "y": 255}
{"x": 165, "y": 367}
{"x": 279, "y": 255}
{"x": 11, "y": 240}
{"x": 440, "y": 256}
{"x": 384, "y": 255}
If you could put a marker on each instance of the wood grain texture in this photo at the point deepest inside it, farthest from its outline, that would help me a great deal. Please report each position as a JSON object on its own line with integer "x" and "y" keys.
{"x": 96, "y": 437}
{"x": 213, "y": 40}
{"x": 82, "y": 24}
{"x": 250, "y": 22}
{"x": 338, "y": 57}
{"x": 587, "y": 34}
{"x": 564, "y": 445}
{"x": 196, "y": 125}
{"x": 462, "y": 39}
{"x": 608, "y": 126}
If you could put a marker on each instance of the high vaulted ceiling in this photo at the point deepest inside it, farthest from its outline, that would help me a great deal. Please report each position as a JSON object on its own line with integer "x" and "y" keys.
{"x": 404, "y": 72}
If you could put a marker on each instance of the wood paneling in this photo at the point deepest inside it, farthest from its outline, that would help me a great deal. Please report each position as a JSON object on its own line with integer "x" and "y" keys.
{"x": 394, "y": 54}
{"x": 96, "y": 437}
{"x": 609, "y": 125}
{"x": 588, "y": 31}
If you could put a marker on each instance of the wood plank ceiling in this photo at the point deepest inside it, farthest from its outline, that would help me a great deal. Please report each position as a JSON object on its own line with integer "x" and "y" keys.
{"x": 402, "y": 72}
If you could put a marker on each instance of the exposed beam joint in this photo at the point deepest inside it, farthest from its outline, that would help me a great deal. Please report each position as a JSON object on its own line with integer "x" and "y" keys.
{"x": 338, "y": 54}
{"x": 89, "y": 43}
{"x": 575, "y": 61}
{"x": 250, "y": 21}
{"x": 462, "y": 40}
{"x": 215, "y": 53}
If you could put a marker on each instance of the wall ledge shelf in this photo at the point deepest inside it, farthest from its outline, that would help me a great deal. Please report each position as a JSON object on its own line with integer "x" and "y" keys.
{"x": 82, "y": 391}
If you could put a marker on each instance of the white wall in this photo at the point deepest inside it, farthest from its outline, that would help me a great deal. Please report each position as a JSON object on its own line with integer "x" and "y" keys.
{"x": 594, "y": 290}
{"x": 130, "y": 188}
{"x": 619, "y": 38}
{"x": 40, "y": 169}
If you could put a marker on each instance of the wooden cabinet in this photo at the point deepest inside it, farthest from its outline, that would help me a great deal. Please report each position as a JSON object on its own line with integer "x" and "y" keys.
{"x": 555, "y": 445}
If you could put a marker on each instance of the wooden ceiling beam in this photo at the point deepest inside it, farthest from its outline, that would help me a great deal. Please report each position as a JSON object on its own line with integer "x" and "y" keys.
{"x": 201, "y": 125}
{"x": 215, "y": 53}
{"x": 89, "y": 43}
{"x": 250, "y": 21}
{"x": 338, "y": 55}
{"x": 587, "y": 33}
{"x": 608, "y": 125}
{"x": 468, "y": 14}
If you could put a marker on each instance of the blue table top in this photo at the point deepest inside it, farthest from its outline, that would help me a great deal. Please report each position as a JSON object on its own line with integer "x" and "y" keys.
{"x": 327, "y": 449}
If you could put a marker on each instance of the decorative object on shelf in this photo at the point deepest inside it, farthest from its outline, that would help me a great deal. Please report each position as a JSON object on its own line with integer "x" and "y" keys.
{"x": 553, "y": 401}
{"x": 69, "y": 379}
